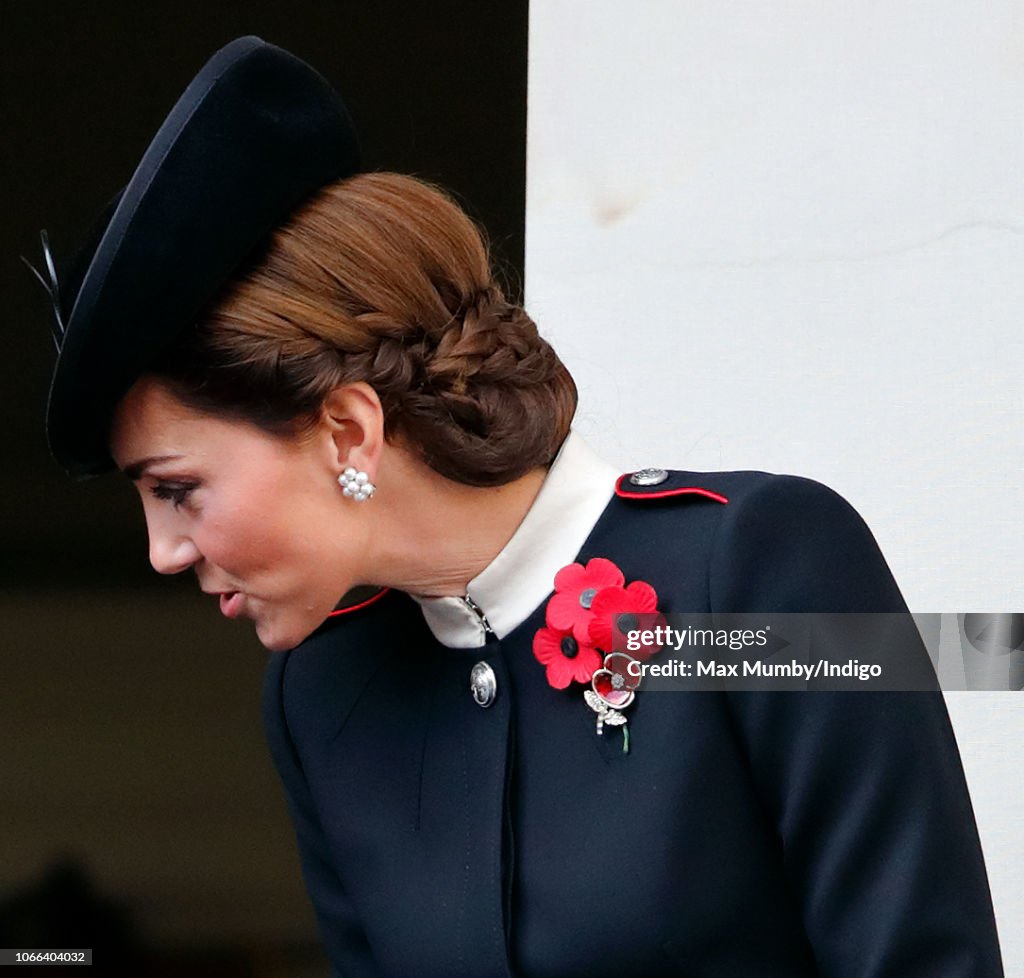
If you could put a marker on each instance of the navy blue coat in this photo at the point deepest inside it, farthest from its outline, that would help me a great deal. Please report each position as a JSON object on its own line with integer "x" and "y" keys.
{"x": 753, "y": 834}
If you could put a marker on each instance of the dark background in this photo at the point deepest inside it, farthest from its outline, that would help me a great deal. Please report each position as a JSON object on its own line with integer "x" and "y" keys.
{"x": 140, "y": 813}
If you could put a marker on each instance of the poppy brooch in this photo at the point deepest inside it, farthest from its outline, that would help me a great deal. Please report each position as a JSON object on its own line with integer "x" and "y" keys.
{"x": 587, "y": 617}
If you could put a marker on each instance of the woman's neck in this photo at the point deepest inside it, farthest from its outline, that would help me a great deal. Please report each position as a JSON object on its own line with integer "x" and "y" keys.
{"x": 432, "y": 536}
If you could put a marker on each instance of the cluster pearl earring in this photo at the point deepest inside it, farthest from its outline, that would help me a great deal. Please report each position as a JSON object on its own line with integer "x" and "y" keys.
{"x": 356, "y": 484}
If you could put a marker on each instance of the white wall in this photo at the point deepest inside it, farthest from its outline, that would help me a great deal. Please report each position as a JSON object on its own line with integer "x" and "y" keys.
{"x": 790, "y": 236}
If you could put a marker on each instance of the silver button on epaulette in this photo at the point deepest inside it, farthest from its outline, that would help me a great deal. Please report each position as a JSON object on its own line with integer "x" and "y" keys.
{"x": 648, "y": 477}
{"x": 483, "y": 684}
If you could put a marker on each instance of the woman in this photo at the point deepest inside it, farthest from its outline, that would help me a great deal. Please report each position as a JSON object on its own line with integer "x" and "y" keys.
{"x": 317, "y": 385}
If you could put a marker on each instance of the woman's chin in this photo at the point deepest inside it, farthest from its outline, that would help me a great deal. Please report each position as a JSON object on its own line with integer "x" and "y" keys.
{"x": 280, "y": 638}
{"x": 282, "y": 624}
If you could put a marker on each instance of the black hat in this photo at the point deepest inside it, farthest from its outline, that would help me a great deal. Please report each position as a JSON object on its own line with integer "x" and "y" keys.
{"x": 256, "y": 132}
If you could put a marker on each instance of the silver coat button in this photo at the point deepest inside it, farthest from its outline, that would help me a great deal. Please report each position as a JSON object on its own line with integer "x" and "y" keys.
{"x": 483, "y": 684}
{"x": 648, "y": 477}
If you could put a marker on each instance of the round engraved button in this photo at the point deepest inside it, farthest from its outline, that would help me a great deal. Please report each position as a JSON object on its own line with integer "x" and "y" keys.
{"x": 483, "y": 684}
{"x": 648, "y": 477}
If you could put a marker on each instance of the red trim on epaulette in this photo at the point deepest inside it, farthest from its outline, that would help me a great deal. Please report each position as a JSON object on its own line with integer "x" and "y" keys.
{"x": 362, "y": 604}
{"x": 662, "y": 493}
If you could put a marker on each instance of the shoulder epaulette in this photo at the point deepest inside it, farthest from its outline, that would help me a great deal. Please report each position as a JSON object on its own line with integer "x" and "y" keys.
{"x": 661, "y": 483}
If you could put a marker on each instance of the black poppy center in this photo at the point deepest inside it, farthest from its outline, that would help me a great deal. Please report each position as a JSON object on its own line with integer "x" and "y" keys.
{"x": 628, "y": 623}
{"x": 569, "y": 647}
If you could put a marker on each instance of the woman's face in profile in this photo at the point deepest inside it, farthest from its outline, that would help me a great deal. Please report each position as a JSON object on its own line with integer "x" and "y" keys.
{"x": 261, "y": 519}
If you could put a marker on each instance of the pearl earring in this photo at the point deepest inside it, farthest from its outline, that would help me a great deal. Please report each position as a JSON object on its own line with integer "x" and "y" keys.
{"x": 356, "y": 484}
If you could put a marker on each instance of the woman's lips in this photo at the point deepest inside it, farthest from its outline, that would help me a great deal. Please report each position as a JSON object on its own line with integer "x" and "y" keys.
{"x": 231, "y": 604}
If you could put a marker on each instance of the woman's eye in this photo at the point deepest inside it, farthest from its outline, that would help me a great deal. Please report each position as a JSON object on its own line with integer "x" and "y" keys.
{"x": 177, "y": 494}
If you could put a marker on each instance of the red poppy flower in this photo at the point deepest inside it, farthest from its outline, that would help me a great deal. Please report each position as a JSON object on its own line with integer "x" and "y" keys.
{"x": 564, "y": 657}
{"x": 628, "y": 602}
{"x": 570, "y": 609}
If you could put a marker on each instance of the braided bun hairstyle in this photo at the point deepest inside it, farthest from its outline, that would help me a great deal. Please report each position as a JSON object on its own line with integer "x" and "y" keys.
{"x": 382, "y": 278}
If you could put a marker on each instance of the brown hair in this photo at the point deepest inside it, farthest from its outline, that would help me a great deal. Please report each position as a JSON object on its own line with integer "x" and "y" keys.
{"x": 382, "y": 278}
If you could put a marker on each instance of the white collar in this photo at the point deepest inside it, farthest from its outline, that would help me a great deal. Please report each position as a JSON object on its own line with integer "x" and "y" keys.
{"x": 574, "y": 494}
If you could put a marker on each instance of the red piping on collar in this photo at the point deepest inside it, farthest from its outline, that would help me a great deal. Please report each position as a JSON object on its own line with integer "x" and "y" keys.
{"x": 362, "y": 604}
{"x": 662, "y": 493}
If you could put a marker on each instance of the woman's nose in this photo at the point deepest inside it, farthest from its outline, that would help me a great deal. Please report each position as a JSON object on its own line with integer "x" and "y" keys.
{"x": 171, "y": 553}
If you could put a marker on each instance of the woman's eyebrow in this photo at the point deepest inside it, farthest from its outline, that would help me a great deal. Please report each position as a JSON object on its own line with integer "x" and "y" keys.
{"x": 134, "y": 470}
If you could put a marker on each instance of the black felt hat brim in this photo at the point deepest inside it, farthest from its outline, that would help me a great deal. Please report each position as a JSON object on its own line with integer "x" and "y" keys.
{"x": 256, "y": 132}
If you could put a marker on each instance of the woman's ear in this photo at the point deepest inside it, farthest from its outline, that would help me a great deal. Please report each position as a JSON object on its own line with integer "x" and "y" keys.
{"x": 354, "y": 418}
